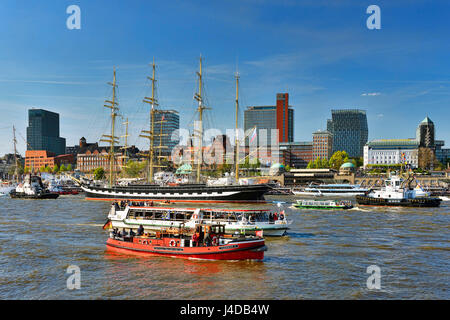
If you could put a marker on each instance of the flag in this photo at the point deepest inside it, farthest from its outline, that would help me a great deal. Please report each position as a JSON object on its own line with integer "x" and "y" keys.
{"x": 107, "y": 225}
{"x": 253, "y": 135}
{"x": 259, "y": 233}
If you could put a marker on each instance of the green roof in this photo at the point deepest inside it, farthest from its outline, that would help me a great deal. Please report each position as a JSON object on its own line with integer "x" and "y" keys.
{"x": 184, "y": 169}
{"x": 427, "y": 120}
{"x": 348, "y": 165}
{"x": 393, "y": 143}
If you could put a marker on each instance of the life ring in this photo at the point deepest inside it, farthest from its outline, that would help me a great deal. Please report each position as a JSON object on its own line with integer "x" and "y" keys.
{"x": 172, "y": 243}
{"x": 214, "y": 241}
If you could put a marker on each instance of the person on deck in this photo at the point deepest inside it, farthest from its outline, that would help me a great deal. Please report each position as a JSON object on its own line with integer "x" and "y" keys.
{"x": 140, "y": 230}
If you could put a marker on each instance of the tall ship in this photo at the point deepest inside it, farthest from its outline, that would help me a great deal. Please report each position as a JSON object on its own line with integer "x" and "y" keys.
{"x": 396, "y": 192}
{"x": 179, "y": 192}
{"x": 338, "y": 190}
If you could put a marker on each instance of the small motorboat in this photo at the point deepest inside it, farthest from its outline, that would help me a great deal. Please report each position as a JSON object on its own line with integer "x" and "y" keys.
{"x": 325, "y": 205}
{"x": 209, "y": 242}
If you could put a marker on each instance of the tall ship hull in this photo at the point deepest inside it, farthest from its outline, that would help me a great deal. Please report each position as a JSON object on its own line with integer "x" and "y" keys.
{"x": 181, "y": 193}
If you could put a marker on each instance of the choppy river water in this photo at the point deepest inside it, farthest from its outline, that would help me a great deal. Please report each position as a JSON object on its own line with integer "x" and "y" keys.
{"x": 325, "y": 256}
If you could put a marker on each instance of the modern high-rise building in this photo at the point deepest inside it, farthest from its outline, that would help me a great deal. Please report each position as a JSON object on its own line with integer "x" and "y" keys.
{"x": 296, "y": 154}
{"x": 350, "y": 131}
{"x": 280, "y": 116}
{"x": 165, "y": 124}
{"x": 43, "y": 132}
{"x": 425, "y": 133}
{"x": 322, "y": 145}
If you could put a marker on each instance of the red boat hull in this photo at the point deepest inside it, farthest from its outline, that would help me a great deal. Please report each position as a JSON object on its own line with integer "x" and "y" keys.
{"x": 245, "y": 250}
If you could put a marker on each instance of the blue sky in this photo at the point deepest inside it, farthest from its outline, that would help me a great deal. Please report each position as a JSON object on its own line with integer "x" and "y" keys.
{"x": 319, "y": 51}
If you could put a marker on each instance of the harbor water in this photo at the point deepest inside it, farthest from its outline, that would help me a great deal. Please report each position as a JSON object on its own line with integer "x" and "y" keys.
{"x": 325, "y": 256}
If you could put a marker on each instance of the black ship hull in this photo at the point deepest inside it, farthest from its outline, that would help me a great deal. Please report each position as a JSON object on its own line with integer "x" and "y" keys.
{"x": 417, "y": 202}
{"x": 181, "y": 193}
{"x": 47, "y": 195}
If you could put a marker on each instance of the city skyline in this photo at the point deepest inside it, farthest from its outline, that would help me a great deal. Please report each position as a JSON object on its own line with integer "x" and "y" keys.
{"x": 398, "y": 74}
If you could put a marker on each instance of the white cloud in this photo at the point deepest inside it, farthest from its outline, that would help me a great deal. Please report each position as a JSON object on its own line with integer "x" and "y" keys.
{"x": 371, "y": 94}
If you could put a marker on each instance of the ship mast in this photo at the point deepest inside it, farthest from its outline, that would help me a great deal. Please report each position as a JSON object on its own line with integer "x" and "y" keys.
{"x": 150, "y": 134}
{"x": 16, "y": 170}
{"x": 125, "y": 147}
{"x": 112, "y": 138}
{"x": 236, "y": 134}
{"x": 161, "y": 122}
{"x": 201, "y": 107}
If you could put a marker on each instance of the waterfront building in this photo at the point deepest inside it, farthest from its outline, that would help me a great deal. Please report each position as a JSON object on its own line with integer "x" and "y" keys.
{"x": 81, "y": 145}
{"x": 166, "y": 124}
{"x": 350, "y": 131}
{"x": 296, "y": 154}
{"x": 442, "y": 154}
{"x": 43, "y": 132}
{"x": 425, "y": 133}
{"x": 92, "y": 158}
{"x": 392, "y": 152}
{"x": 322, "y": 145}
{"x": 280, "y": 117}
{"x": 37, "y": 159}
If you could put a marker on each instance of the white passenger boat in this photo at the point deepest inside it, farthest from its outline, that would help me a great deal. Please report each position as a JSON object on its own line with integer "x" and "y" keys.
{"x": 235, "y": 221}
{"x": 336, "y": 190}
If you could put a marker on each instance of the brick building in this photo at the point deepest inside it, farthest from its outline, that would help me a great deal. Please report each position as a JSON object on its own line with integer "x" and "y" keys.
{"x": 37, "y": 159}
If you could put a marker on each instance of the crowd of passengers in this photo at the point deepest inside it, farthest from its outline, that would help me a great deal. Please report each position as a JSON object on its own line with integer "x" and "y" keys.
{"x": 200, "y": 238}
{"x": 169, "y": 215}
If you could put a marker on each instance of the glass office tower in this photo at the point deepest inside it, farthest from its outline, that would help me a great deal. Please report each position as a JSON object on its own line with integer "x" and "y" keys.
{"x": 170, "y": 123}
{"x": 43, "y": 132}
{"x": 350, "y": 131}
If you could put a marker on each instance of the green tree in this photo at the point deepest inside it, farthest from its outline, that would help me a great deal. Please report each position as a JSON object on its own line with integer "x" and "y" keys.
{"x": 99, "y": 174}
{"x": 26, "y": 170}
{"x": 55, "y": 169}
{"x": 134, "y": 168}
{"x": 62, "y": 168}
{"x": 338, "y": 159}
{"x": 69, "y": 167}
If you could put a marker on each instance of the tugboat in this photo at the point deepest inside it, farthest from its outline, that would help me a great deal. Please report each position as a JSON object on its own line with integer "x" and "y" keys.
{"x": 208, "y": 242}
{"x": 32, "y": 188}
{"x": 395, "y": 193}
{"x": 326, "y": 205}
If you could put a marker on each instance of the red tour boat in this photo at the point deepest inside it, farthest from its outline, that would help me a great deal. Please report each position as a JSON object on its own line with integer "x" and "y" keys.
{"x": 208, "y": 242}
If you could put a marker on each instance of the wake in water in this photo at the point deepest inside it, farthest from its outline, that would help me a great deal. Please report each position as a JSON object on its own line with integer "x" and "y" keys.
{"x": 359, "y": 209}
